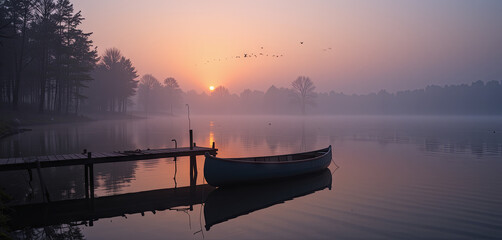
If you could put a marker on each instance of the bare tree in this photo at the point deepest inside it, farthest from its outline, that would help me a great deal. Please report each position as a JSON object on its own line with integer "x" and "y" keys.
{"x": 173, "y": 92}
{"x": 220, "y": 92}
{"x": 304, "y": 90}
{"x": 147, "y": 94}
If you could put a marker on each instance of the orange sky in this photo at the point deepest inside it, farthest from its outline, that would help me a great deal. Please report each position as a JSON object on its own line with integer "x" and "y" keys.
{"x": 374, "y": 45}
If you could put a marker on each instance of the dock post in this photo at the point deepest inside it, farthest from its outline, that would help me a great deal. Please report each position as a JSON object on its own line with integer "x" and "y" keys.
{"x": 193, "y": 166}
{"x": 31, "y": 174}
{"x": 213, "y": 145}
{"x": 45, "y": 192}
{"x": 91, "y": 179}
{"x": 91, "y": 175}
{"x": 86, "y": 173}
{"x": 193, "y": 179}
{"x": 191, "y": 139}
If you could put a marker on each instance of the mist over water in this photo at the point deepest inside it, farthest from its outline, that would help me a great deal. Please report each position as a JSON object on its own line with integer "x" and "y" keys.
{"x": 399, "y": 177}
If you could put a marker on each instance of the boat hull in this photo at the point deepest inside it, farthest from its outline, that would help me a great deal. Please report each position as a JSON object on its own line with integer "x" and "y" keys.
{"x": 223, "y": 172}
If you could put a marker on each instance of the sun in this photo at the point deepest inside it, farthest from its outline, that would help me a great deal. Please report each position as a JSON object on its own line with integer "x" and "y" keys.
{"x": 211, "y": 88}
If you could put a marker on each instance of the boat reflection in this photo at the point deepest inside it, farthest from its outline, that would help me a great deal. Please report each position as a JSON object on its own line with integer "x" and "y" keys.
{"x": 226, "y": 203}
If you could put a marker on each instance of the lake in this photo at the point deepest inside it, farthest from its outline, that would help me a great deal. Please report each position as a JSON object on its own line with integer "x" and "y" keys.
{"x": 398, "y": 178}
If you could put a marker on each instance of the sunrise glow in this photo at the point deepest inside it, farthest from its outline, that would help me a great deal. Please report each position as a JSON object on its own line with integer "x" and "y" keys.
{"x": 211, "y": 88}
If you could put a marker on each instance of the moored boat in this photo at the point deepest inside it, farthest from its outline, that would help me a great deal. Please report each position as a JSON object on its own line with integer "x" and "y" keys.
{"x": 231, "y": 171}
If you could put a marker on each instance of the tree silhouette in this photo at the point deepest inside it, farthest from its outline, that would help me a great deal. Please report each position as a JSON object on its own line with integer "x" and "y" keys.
{"x": 304, "y": 91}
{"x": 172, "y": 92}
{"x": 147, "y": 91}
{"x": 45, "y": 59}
{"x": 115, "y": 82}
{"x": 220, "y": 92}
{"x": 18, "y": 18}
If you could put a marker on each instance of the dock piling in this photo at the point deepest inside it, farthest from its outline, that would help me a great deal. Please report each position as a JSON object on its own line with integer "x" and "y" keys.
{"x": 191, "y": 139}
{"x": 91, "y": 179}
{"x": 30, "y": 173}
{"x": 193, "y": 166}
{"x": 86, "y": 174}
{"x": 45, "y": 192}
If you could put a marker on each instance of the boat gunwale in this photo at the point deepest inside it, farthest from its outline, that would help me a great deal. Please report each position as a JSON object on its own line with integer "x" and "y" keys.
{"x": 238, "y": 160}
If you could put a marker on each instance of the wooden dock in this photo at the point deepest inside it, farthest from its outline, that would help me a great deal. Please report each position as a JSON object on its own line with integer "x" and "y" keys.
{"x": 86, "y": 158}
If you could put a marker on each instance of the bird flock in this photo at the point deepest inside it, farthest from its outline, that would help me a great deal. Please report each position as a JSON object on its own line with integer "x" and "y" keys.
{"x": 259, "y": 54}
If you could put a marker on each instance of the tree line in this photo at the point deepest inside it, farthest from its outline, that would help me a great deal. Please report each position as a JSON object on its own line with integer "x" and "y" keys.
{"x": 46, "y": 59}
{"x": 49, "y": 64}
{"x": 478, "y": 98}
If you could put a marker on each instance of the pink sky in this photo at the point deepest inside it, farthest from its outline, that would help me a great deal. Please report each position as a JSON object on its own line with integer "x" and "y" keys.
{"x": 393, "y": 45}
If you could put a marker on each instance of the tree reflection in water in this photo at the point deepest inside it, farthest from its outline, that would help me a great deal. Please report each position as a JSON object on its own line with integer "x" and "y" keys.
{"x": 62, "y": 231}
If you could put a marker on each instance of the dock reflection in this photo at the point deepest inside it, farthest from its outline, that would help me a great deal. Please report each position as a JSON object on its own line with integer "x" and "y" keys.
{"x": 83, "y": 211}
{"x": 226, "y": 203}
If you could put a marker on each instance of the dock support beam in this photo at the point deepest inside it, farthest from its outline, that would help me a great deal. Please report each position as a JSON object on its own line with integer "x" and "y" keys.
{"x": 193, "y": 179}
{"x": 193, "y": 166}
{"x": 43, "y": 187}
{"x": 86, "y": 173}
{"x": 191, "y": 139}
{"x": 89, "y": 177}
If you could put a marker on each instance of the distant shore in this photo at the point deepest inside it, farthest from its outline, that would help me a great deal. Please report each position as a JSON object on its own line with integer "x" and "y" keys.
{"x": 15, "y": 122}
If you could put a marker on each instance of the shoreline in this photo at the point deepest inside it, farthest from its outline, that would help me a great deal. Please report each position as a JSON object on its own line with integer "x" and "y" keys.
{"x": 16, "y": 122}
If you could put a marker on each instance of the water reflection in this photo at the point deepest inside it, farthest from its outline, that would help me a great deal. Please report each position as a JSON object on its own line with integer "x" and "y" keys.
{"x": 86, "y": 211}
{"x": 226, "y": 203}
{"x": 62, "y": 218}
{"x": 398, "y": 173}
{"x": 62, "y": 231}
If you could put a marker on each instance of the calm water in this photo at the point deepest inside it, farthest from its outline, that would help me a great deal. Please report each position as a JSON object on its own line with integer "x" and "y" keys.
{"x": 399, "y": 178}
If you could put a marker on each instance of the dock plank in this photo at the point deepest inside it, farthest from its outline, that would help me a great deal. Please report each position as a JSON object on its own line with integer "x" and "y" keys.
{"x": 69, "y": 156}
{"x": 73, "y": 156}
{"x": 29, "y": 159}
{"x": 66, "y": 157}
{"x": 108, "y": 154}
{"x": 42, "y": 158}
{"x": 78, "y": 156}
{"x": 98, "y": 155}
{"x": 18, "y": 160}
